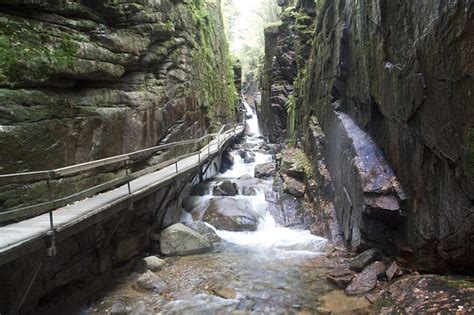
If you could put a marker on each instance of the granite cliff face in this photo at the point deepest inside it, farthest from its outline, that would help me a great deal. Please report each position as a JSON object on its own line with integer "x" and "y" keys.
{"x": 84, "y": 80}
{"x": 384, "y": 101}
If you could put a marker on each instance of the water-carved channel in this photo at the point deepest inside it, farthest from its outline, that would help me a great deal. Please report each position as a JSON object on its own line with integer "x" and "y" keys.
{"x": 273, "y": 269}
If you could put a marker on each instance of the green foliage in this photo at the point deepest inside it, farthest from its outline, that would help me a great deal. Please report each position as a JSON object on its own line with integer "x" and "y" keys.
{"x": 215, "y": 86}
{"x": 29, "y": 55}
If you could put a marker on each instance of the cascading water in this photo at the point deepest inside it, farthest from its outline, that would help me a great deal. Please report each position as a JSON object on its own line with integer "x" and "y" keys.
{"x": 268, "y": 235}
{"x": 274, "y": 269}
{"x": 252, "y": 122}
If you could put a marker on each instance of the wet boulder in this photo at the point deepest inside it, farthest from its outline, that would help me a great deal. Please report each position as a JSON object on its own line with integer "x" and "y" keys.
{"x": 149, "y": 281}
{"x": 205, "y": 230}
{"x": 365, "y": 258}
{"x": 249, "y": 159}
{"x": 180, "y": 240}
{"x": 365, "y": 281}
{"x": 120, "y": 307}
{"x": 265, "y": 170}
{"x": 249, "y": 191}
{"x": 225, "y": 188}
{"x": 231, "y": 215}
{"x": 201, "y": 189}
{"x": 227, "y": 161}
{"x": 152, "y": 263}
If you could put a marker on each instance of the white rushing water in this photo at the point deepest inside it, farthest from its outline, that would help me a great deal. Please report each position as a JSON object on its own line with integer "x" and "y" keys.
{"x": 269, "y": 234}
{"x": 252, "y": 122}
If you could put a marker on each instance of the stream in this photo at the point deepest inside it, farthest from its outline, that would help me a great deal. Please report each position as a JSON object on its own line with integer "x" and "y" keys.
{"x": 275, "y": 269}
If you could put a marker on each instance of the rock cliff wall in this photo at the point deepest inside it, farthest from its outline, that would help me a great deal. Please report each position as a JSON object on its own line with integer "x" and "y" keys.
{"x": 83, "y": 80}
{"x": 389, "y": 85}
{"x": 277, "y": 80}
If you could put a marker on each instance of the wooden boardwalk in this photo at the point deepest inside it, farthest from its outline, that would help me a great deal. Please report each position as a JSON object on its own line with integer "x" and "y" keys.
{"x": 26, "y": 236}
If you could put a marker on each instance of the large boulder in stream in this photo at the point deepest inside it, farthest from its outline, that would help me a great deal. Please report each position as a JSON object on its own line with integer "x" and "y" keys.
{"x": 231, "y": 214}
{"x": 180, "y": 240}
{"x": 205, "y": 230}
{"x": 225, "y": 188}
{"x": 265, "y": 170}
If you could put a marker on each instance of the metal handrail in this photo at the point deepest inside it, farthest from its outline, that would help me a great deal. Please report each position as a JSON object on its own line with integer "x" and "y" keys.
{"x": 51, "y": 205}
{"x": 28, "y": 177}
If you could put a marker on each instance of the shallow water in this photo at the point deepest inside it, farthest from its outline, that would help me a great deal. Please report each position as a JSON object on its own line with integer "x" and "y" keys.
{"x": 272, "y": 270}
{"x": 231, "y": 278}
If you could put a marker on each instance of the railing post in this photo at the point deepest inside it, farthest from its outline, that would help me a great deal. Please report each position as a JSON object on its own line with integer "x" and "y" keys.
{"x": 51, "y": 246}
{"x": 199, "y": 153}
{"x": 176, "y": 159}
{"x": 127, "y": 172}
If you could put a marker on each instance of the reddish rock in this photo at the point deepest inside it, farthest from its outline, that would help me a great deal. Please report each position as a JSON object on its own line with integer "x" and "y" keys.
{"x": 365, "y": 281}
{"x": 393, "y": 271}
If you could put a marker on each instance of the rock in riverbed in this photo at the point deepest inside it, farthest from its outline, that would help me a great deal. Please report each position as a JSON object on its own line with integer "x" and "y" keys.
{"x": 151, "y": 282}
{"x": 231, "y": 215}
{"x": 152, "y": 263}
{"x": 225, "y": 188}
{"x": 205, "y": 230}
{"x": 364, "y": 281}
{"x": 180, "y": 240}
{"x": 265, "y": 170}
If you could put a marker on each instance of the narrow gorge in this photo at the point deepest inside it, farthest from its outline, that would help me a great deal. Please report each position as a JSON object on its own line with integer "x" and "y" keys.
{"x": 236, "y": 156}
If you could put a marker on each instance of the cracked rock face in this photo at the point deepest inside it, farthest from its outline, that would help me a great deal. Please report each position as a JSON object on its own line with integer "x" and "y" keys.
{"x": 84, "y": 80}
{"x": 392, "y": 81}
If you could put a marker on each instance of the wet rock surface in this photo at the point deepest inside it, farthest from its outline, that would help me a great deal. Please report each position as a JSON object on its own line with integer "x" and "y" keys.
{"x": 149, "y": 281}
{"x": 230, "y": 279}
{"x": 181, "y": 240}
{"x": 120, "y": 307}
{"x": 364, "y": 282}
{"x": 225, "y": 188}
{"x": 265, "y": 170}
{"x": 151, "y": 263}
{"x": 205, "y": 230}
{"x": 231, "y": 215}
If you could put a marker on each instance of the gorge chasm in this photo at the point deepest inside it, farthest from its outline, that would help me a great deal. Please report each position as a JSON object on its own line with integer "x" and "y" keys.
{"x": 349, "y": 190}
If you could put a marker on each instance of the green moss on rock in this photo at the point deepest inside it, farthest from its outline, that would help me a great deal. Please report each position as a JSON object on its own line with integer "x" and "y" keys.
{"x": 28, "y": 54}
